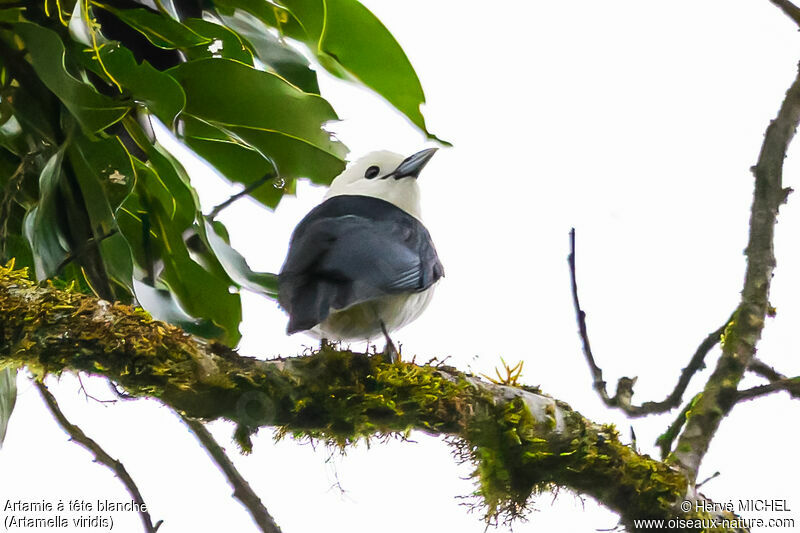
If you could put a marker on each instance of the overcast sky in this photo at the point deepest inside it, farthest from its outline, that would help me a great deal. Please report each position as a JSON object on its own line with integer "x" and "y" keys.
{"x": 635, "y": 122}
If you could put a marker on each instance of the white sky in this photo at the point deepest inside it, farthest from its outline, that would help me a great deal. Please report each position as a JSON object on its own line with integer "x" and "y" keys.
{"x": 634, "y": 121}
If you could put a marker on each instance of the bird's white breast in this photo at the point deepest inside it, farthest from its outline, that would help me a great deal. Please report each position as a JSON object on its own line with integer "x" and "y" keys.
{"x": 363, "y": 321}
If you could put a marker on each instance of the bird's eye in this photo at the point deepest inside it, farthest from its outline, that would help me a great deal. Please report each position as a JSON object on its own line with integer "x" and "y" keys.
{"x": 372, "y": 172}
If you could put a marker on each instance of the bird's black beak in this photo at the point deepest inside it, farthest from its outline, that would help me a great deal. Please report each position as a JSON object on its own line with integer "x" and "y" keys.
{"x": 412, "y": 165}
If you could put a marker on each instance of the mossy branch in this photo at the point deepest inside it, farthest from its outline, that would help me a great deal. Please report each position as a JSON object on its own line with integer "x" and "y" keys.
{"x": 520, "y": 440}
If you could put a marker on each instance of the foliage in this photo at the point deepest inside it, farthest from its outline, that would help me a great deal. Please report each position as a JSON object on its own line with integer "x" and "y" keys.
{"x": 89, "y": 196}
{"x": 8, "y": 396}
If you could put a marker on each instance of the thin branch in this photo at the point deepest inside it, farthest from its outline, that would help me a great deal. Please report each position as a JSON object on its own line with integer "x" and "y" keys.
{"x": 759, "y": 367}
{"x": 744, "y": 331}
{"x": 241, "y": 488}
{"x": 791, "y": 10}
{"x": 77, "y": 435}
{"x": 624, "y": 393}
{"x": 244, "y": 192}
{"x": 712, "y": 477}
{"x": 597, "y": 372}
{"x": 89, "y": 396}
{"x": 790, "y": 385}
{"x": 90, "y": 243}
{"x": 665, "y": 440}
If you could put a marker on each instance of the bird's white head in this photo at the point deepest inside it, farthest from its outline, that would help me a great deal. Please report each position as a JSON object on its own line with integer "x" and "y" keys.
{"x": 385, "y": 175}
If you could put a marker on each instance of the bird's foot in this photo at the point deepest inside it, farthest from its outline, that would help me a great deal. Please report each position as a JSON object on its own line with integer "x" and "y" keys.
{"x": 390, "y": 353}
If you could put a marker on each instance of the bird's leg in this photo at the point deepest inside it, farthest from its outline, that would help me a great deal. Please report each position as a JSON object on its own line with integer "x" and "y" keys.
{"x": 390, "y": 353}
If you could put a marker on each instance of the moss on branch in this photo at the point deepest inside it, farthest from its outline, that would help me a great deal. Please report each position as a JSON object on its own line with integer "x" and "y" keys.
{"x": 520, "y": 440}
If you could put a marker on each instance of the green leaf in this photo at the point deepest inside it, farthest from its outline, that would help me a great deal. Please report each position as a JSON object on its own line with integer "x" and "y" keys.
{"x": 222, "y": 43}
{"x": 160, "y": 30}
{"x": 241, "y": 155}
{"x": 199, "y": 292}
{"x": 8, "y": 397}
{"x": 232, "y": 157}
{"x": 93, "y": 110}
{"x": 13, "y": 14}
{"x": 42, "y": 227}
{"x": 263, "y": 100}
{"x": 269, "y": 13}
{"x": 236, "y": 266}
{"x": 11, "y": 137}
{"x": 277, "y": 55}
{"x": 350, "y": 42}
{"x": 270, "y": 120}
{"x": 12, "y": 211}
{"x": 162, "y": 305}
{"x": 154, "y": 219}
{"x": 105, "y": 175}
{"x": 184, "y": 293}
{"x": 105, "y": 172}
{"x": 349, "y": 36}
{"x": 32, "y": 113}
{"x": 161, "y": 94}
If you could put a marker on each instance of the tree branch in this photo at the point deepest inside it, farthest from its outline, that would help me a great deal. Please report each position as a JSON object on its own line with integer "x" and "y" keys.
{"x": 791, "y": 10}
{"x": 665, "y": 440}
{"x": 790, "y": 385}
{"x": 77, "y": 435}
{"x": 241, "y": 488}
{"x": 759, "y": 367}
{"x": 520, "y": 440}
{"x": 244, "y": 192}
{"x": 622, "y": 398}
{"x": 744, "y": 330}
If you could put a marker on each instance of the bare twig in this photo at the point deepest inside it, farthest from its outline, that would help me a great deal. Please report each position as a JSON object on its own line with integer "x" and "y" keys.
{"x": 713, "y": 476}
{"x": 597, "y": 372}
{"x": 790, "y": 385}
{"x": 241, "y": 488}
{"x": 624, "y": 393}
{"x": 244, "y": 192}
{"x": 759, "y": 367}
{"x": 89, "y": 396}
{"x": 77, "y": 435}
{"x": 791, "y": 10}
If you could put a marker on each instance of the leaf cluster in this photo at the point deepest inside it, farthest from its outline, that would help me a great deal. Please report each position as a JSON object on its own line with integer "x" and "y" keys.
{"x": 89, "y": 195}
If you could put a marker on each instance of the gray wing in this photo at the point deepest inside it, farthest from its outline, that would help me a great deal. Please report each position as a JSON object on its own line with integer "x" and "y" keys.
{"x": 336, "y": 262}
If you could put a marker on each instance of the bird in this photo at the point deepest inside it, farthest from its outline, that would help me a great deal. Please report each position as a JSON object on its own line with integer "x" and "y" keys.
{"x": 361, "y": 264}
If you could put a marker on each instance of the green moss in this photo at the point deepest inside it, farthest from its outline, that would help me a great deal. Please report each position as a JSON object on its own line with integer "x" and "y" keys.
{"x": 513, "y": 463}
{"x": 342, "y": 396}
